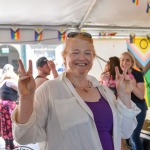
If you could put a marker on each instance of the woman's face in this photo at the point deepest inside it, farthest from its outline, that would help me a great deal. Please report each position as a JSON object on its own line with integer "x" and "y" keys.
{"x": 125, "y": 61}
{"x": 79, "y": 57}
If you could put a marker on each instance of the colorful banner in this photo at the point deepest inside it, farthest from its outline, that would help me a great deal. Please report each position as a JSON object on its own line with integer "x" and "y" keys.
{"x": 148, "y": 38}
{"x": 148, "y": 7}
{"x": 132, "y": 38}
{"x": 136, "y": 2}
{"x": 107, "y": 34}
{"x": 141, "y": 51}
{"x": 15, "y": 34}
{"x": 38, "y": 36}
{"x": 61, "y": 36}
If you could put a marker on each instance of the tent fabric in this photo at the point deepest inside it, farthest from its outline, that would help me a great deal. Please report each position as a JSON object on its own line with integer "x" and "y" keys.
{"x": 85, "y": 15}
{"x": 71, "y": 12}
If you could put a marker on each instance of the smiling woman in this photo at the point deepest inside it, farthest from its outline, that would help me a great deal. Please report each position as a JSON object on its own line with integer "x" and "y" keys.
{"x": 74, "y": 105}
{"x": 127, "y": 62}
{"x": 78, "y": 53}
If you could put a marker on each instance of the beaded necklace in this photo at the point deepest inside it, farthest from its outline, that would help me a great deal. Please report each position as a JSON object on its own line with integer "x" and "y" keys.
{"x": 83, "y": 89}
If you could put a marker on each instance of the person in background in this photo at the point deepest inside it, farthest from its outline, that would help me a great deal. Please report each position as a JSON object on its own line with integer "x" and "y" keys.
{"x": 127, "y": 61}
{"x": 74, "y": 111}
{"x": 108, "y": 77}
{"x": 44, "y": 67}
{"x": 8, "y": 96}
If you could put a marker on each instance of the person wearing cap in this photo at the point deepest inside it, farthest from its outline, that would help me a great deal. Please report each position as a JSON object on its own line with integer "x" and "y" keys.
{"x": 44, "y": 67}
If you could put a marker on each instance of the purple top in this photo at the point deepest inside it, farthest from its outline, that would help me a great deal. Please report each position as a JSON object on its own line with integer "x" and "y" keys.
{"x": 104, "y": 122}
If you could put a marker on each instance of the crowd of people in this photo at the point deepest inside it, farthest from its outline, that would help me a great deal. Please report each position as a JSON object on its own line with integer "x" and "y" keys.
{"x": 9, "y": 95}
{"x": 74, "y": 110}
{"x": 127, "y": 61}
{"x": 8, "y": 98}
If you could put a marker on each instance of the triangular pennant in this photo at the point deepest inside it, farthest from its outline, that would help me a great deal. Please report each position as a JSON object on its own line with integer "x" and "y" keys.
{"x": 136, "y": 2}
{"x": 132, "y": 38}
{"x": 61, "y": 36}
{"x": 148, "y": 38}
{"x": 102, "y": 34}
{"x": 38, "y": 36}
{"x": 111, "y": 34}
{"x": 107, "y": 34}
{"x": 148, "y": 7}
{"x": 15, "y": 34}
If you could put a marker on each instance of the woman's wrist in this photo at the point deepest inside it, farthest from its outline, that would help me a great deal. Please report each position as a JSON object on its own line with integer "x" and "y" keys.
{"x": 126, "y": 99}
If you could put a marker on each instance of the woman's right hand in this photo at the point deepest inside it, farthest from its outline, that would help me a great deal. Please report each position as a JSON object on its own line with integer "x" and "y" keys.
{"x": 26, "y": 83}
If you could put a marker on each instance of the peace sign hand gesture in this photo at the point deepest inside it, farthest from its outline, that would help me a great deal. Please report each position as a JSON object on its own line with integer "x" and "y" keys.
{"x": 124, "y": 87}
{"x": 26, "y": 83}
{"x": 123, "y": 82}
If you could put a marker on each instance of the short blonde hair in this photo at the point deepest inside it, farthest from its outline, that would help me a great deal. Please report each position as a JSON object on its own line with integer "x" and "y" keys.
{"x": 8, "y": 73}
{"x": 131, "y": 57}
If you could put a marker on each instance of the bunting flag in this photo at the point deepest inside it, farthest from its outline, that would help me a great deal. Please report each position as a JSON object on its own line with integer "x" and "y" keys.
{"x": 38, "y": 36}
{"x": 102, "y": 34}
{"x": 148, "y": 7}
{"x": 15, "y": 34}
{"x": 141, "y": 53}
{"x": 136, "y": 2}
{"x": 61, "y": 36}
{"x": 112, "y": 34}
{"x": 148, "y": 38}
{"x": 132, "y": 38}
{"x": 107, "y": 34}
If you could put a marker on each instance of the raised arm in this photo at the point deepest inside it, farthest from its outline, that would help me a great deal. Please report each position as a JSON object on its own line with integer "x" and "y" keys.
{"x": 53, "y": 68}
{"x": 124, "y": 87}
{"x": 26, "y": 89}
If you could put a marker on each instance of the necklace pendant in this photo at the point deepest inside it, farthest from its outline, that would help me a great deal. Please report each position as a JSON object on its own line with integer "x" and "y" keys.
{"x": 85, "y": 90}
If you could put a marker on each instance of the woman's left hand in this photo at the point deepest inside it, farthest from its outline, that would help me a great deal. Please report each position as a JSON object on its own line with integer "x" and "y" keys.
{"x": 123, "y": 82}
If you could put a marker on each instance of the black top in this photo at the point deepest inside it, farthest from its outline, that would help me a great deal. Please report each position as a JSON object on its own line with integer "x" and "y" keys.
{"x": 139, "y": 78}
{"x": 8, "y": 93}
{"x": 40, "y": 77}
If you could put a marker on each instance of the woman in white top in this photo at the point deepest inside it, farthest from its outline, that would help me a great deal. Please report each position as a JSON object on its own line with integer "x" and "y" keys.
{"x": 59, "y": 115}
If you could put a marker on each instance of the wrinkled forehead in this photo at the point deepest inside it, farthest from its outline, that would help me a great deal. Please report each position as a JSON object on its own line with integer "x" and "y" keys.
{"x": 79, "y": 43}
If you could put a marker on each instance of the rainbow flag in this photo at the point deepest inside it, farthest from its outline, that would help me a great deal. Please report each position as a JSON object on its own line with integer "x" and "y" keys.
{"x": 132, "y": 38}
{"x": 61, "y": 36}
{"x": 148, "y": 7}
{"x": 148, "y": 38}
{"x": 15, "y": 35}
{"x": 136, "y": 2}
{"x": 111, "y": 34}
{"x": 102, "y": 34}
{"x": 38, "y": 36}
{"x": 107, "y": 34}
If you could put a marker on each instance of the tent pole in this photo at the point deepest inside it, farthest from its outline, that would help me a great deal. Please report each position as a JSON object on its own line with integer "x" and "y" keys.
{"x": 101, "y": 58}
{"x": 87, "y": 13}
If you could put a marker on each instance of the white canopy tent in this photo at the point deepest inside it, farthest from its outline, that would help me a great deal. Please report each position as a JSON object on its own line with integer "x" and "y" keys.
{"x": 94, "y": 16}
{"x": 51, "y": 16}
